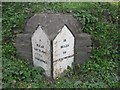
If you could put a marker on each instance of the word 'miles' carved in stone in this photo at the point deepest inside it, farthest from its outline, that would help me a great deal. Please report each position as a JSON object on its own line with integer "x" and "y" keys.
{"x": 53, "y": 55}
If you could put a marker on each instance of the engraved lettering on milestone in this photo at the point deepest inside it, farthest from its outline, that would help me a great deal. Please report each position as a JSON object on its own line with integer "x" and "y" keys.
{"x": 64, "y": 46}
{"x": 41, "y": 60}
{"x": 64, "y": 40}
{"x": 64, "y": 52}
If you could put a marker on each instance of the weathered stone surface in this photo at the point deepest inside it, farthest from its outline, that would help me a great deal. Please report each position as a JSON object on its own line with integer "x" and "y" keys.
{"x": 82, "y": 47}
{"x": 51, "y": 23}
{"x": 41, "y": 49}
{"x": 63, "y": 51}
{"x": 54, "y": 56}
{"x": 23, "y": 46}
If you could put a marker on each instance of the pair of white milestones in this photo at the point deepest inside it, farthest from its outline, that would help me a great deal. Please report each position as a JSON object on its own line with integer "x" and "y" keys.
{"x": 53, "y": 55}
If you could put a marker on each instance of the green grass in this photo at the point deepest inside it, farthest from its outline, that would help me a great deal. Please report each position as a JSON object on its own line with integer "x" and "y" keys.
{"x": 100, "y": 20}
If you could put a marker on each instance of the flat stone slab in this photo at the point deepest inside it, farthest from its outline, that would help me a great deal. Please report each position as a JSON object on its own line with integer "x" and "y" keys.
{"x": 51, "y": 23}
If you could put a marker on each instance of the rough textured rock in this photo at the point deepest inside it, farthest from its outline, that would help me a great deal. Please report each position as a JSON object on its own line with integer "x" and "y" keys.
{"x": 24, "y": 45}
{"x": 53, "y": 23}
{"x": 82, "y": 47}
